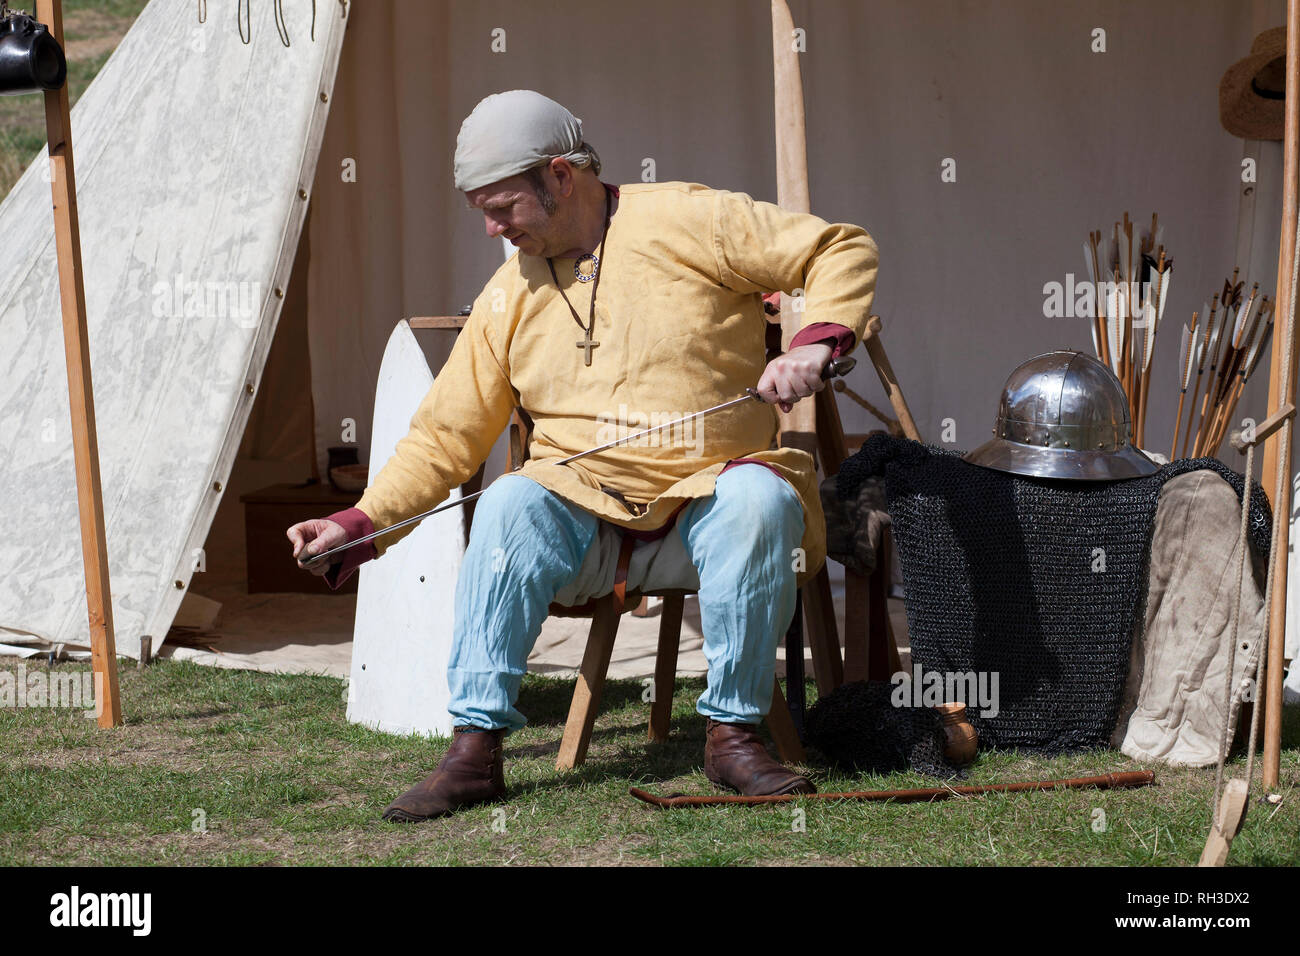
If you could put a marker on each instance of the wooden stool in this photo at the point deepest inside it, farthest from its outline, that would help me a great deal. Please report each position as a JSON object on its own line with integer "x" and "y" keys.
{"x": 605, "y": 613}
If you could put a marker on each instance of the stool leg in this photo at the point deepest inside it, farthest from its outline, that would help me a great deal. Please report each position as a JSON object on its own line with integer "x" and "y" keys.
{"x": 591, "y": 681}
{"x": 781, "y": 726}
{"x": 670, "y": 635}
{"x": 895, "y": 662}
{"x": 882, "y": 646}
{"x": 857, "y": 625}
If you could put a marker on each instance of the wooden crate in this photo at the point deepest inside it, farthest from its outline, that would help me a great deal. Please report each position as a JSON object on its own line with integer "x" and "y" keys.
{"x": 268, "y": 513}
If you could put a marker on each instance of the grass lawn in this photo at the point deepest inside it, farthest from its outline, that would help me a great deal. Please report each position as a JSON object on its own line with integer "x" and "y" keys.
{"x": 281, "y": 777}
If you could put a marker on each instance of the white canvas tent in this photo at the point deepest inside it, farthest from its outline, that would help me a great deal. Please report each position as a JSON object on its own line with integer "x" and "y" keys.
{"x": 196, "y": 154}
{"x": 1049, "y": 139}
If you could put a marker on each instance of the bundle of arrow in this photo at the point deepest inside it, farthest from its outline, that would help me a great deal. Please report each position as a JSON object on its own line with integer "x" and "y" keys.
{"x": 1131, "y": 282}
{"x": 1231, "y": 356}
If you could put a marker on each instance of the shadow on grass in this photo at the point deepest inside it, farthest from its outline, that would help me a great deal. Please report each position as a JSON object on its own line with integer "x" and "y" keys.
{"x": 546, "y": 704}
{"x": 615, "y": 755}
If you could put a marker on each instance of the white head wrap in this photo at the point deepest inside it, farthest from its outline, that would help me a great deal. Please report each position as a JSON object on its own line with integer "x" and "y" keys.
{"x": 510, "y": 132}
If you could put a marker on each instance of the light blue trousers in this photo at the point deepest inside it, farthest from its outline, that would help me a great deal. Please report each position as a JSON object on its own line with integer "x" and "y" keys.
{"x": 527, "y": 543}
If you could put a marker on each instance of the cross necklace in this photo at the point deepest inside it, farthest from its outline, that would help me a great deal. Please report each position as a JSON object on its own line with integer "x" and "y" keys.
{"x": 587, "y": 342}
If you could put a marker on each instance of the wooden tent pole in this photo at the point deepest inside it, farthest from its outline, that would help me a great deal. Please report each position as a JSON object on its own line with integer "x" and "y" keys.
{"x": 798, "y": 426}
{"x": 1281, "y": 391}
{"x": 81, "y": 401}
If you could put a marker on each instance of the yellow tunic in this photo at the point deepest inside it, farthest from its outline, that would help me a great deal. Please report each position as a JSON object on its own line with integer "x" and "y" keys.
{"x": 680, "y": 323}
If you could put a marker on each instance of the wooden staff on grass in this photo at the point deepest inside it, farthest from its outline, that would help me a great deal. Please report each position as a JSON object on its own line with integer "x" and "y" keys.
{"x": 1106, "y": 781}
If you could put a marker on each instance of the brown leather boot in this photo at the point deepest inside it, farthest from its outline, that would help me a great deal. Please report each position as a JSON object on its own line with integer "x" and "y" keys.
{"x": 470, "y": 773}
{"x": 735, "y": 758}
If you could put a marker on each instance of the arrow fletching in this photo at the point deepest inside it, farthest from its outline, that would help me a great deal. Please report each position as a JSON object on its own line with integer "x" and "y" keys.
{"x": 1203, "y": 340}
{"x": 1258, "y": 348}
{"x": 1243, "y": 315}
{"x": 1185, "y": 348}
{"x": 1114, "y": 325}
{"x": 1164, "y": 277}
{"x": 1252, "y": 340}
{"x": 1212, "y": 342}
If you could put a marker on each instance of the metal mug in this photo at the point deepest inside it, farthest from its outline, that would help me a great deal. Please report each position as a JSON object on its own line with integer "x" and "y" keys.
{"x": 31, "y": 61}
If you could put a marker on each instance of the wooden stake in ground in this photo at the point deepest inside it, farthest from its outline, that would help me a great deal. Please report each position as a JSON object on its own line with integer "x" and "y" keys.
{"x": 81, "y": 400}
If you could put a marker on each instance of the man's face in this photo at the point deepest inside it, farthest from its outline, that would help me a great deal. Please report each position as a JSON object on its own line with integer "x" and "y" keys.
{"x": 512, "y": 208}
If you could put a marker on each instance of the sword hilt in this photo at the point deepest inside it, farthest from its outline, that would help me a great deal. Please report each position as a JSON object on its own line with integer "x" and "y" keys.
{"x": 836, "y": 368}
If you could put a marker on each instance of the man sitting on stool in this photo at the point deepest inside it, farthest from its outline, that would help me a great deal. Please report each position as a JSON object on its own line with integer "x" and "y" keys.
{"x": 626, "y": 305}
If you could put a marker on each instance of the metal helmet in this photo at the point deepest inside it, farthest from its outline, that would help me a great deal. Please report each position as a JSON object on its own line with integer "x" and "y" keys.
{"x": 1063, "y": 414}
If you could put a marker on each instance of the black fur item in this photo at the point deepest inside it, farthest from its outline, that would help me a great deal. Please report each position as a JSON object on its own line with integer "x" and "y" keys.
{"x": 860, "y": 728}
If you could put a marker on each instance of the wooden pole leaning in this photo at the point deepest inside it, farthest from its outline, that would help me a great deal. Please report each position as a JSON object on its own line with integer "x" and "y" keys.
{"x": 798, "y": 426}
{"x": 1281, "y": 392}
{"x": 81, "y": 401}
{"x": 880, "y": 361}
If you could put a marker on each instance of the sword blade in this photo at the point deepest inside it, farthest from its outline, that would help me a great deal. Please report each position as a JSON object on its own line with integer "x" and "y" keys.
{"x": 749, "y": 396}
{"x": 833, "y": 369}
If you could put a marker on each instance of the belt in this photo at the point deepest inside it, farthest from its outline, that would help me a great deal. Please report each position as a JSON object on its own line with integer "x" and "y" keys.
{"x": 620, "y": 573}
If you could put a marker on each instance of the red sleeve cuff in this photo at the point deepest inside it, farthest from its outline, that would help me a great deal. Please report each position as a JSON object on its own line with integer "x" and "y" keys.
{"x": 735, "y": 462}
{"x": 357, "y": 524}
{"x": 840, "y": 338}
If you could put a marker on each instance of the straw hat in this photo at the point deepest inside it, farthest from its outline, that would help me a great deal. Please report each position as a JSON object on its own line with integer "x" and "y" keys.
{"x": 1252, "y": 90}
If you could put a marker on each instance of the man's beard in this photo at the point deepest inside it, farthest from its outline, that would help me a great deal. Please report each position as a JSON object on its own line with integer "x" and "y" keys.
{"x": 547, "y": 200}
